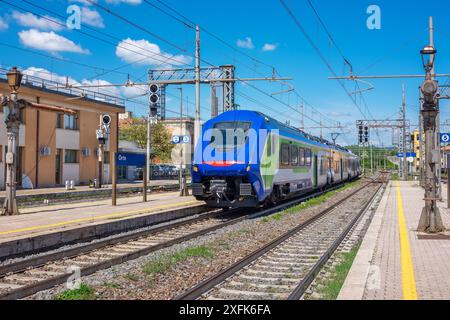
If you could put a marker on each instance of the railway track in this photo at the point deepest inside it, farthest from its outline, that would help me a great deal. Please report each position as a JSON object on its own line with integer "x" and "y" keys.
{"x": 285, "y": 267}
{"x": 28, "y": 276}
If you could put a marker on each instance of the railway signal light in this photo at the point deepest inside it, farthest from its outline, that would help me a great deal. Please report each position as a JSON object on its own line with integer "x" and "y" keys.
{"x": 154, "y": 96}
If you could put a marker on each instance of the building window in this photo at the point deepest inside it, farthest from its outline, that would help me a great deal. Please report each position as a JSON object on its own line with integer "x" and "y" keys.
{"x": 285, "y": 154}
{"x": 71, "y": 122}
{"x": 1, "y": 154}
{"x": 59, "y": 120}
{"x": 71, "y": 156}
{"x": 294, "y": 156}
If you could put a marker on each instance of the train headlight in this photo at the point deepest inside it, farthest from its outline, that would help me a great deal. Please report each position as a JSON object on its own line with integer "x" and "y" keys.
{"x": 195, "y": 168}
{"x": 248, "y": 168}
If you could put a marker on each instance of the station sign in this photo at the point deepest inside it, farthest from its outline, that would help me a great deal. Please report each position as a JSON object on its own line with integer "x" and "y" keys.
{"x": 180, "y": 139}
{"x": 445, "y": 137}
{"x": 130, "y": 159}
{"x": 408, "y": 155}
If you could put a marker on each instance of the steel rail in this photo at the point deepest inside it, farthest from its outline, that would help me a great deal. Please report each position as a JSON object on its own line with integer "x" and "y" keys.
{"x": 50, "y": 282}
{"x": 208, "y": 284}
{"x": 312, "y": 273}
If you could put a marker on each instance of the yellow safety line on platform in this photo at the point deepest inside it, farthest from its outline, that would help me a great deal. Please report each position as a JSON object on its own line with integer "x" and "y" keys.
{"x": 112, "y": 215}
{"x": 408, "y": 280}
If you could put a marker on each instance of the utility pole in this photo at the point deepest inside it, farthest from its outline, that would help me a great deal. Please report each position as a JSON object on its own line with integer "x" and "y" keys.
{"x": 12, "y": 122}
{"x": 421, "y": 158}
{"x": 182, "y": 178}
{"x": 102, "y": 135}
{"x": 405, "y": 166}
{"x": 430, "y": 219}
{"x": 321, "y": 129}
{"x": 371, "y": 159}
{"x": 148, "y": 155}
{"x": 437, "y": 140}
{"x": 197, "y": 129}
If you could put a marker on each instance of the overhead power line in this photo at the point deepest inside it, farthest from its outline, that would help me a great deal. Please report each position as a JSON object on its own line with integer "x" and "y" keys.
{"x": 318, "y": 52}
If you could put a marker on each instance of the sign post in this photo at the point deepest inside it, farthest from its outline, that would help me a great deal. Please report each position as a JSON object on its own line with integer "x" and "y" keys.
{"x": 114, "y": 180}
{"x": 182, "y": 139}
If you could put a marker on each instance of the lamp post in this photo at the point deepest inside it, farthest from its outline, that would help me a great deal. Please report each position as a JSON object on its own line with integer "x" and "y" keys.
{"x": 12, "y": 122}
{"x": 430, "y": 219}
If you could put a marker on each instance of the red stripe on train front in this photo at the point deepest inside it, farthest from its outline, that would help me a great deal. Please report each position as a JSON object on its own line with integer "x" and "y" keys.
{"x": 221, "y": 163}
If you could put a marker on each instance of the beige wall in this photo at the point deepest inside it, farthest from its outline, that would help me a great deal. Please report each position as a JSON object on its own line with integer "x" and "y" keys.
{"x": 49, "y": 135}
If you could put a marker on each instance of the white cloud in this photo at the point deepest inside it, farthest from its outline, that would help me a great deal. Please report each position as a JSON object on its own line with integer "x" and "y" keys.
{"x": 112, "y": 91}
{"x": 49, "y": 41}
{"x": 147, "y": 53}
{"x": 47, "y": 75}
{"x": 247, "y": 43}
{"x": 30, "y": 20}
{"x": 269, "y": 47}
{"x": 132, "y": 92}
{"x": 92, "y": 17}
{"x": 3, "y": 24}
{"x": 132, "y": 2}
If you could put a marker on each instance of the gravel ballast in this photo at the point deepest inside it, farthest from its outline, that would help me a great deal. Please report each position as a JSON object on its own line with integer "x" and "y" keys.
{"x": 173, "y": 270}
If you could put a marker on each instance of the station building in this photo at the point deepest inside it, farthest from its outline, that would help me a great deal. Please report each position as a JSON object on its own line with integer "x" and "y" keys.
{"x": 55, "y": 147}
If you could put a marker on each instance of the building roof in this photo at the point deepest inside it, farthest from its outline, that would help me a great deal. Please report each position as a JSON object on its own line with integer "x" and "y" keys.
{"x": 50, "y": 86}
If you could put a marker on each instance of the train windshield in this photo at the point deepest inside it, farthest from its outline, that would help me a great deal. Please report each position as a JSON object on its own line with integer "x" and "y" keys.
{"x": 230, "y": 134}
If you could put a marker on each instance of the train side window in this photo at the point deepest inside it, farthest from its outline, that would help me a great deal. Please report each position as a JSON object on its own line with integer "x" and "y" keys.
{"x": 284, "y": 154}
{"x": 308, "y": 157}
{"x": 294, "y": 155}
{"x": 301, "y": 157}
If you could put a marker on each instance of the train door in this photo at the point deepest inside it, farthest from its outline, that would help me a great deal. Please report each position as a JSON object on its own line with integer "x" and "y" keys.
{"x": 342, "y": 170}
{"x": 316, "y": 168}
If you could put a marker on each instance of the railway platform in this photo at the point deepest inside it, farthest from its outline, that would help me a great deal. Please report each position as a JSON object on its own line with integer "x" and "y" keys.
{"x": 394, "y": 261}
{"x": 52, "y": 195}
{"x": 47, "y": 226}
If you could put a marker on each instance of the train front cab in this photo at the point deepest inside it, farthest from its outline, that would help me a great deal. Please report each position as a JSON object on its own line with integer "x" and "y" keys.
{"x": 225, "y": 174}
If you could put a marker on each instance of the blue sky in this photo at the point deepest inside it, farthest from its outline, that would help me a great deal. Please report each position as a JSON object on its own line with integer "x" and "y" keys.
{"x": 261, "y": 29}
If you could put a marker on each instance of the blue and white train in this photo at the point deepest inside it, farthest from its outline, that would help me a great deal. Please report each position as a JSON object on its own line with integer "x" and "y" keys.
{"x": 247, "y": 159}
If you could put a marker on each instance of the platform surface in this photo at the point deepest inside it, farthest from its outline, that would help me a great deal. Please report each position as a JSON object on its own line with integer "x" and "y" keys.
{"x": 58, "y": 190}
{"x": 393, "y": 263}
{"x": 53, "y": 218}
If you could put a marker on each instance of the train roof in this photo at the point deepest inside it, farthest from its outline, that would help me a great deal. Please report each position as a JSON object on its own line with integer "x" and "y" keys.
{"x": 295, "y": 130}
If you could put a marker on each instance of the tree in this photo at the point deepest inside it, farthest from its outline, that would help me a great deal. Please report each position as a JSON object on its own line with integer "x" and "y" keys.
{"x": 136, "y": 131}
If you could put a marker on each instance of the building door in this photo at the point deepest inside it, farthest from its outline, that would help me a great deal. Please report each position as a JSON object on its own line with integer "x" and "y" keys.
{"x": 58, "y": 167}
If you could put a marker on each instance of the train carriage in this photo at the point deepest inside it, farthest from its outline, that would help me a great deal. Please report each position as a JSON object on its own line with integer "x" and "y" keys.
{"x": 246, "y": 159}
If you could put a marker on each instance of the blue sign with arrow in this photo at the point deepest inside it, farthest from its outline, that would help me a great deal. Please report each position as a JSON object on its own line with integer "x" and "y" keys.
{"x": 180, "y": 139}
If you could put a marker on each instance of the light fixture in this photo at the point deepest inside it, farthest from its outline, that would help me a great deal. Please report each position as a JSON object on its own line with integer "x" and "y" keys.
{"x": 429, "y": 51}
{"x": 14, "y": 77}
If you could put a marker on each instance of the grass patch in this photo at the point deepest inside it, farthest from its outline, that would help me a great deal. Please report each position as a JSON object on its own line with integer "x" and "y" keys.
{"x": 166, "y": 262}
{"x": 131, "y": 277}
{"x": 84, "y": 292}
{"x": 112, "y": 285}
{"x": 309, "y": 203}
{"x": 332, "y": 286}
